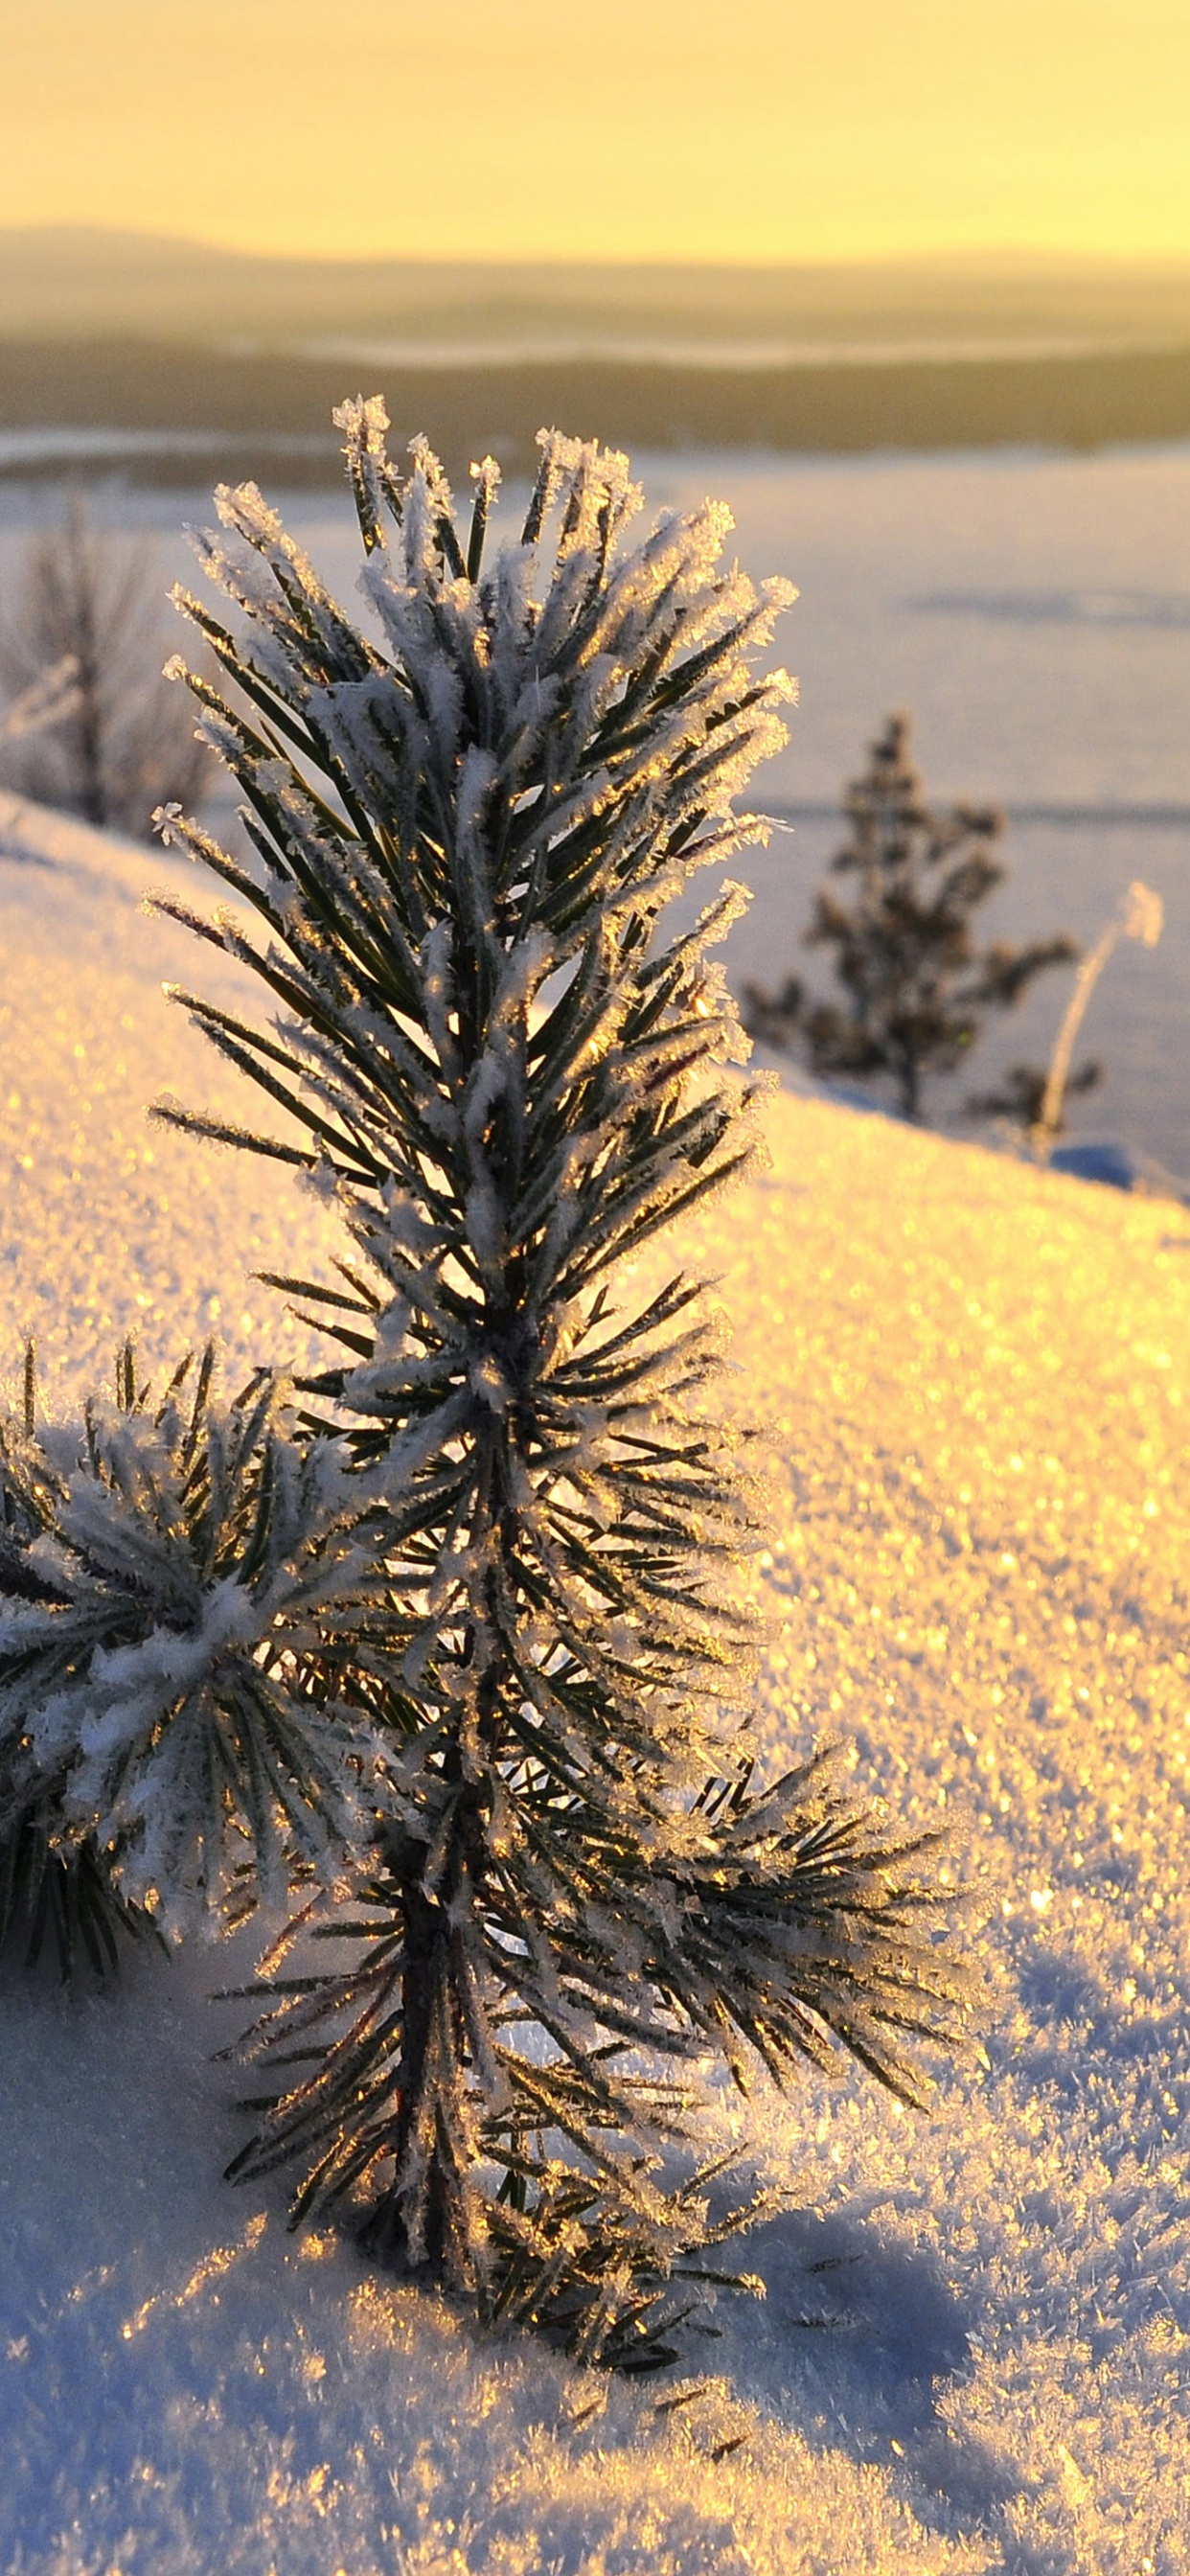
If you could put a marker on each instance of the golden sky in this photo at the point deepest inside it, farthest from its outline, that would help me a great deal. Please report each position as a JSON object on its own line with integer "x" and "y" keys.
{"x": 623, "y": 129}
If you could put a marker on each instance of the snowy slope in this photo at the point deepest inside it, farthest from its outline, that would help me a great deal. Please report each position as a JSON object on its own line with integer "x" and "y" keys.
{"x": 974, "y": 2352}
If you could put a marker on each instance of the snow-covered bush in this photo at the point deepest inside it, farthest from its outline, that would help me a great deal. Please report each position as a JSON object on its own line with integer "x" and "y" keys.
{"x": 174, "y": 1582}
{"x": 490, "y": 1053}
{"x": 107, "y": 741}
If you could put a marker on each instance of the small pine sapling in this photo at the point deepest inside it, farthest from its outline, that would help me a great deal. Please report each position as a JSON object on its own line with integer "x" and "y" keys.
{"x": 464, "y": 1631}
{"x": 918, "y": 986}
{"x": 469, "y": 821}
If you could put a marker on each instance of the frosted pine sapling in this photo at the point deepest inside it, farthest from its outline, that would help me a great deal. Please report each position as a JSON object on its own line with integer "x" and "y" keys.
{"x": 918, "y": 988}
{"x": 467, "y": 1623}
{"x": 469, "y": 821}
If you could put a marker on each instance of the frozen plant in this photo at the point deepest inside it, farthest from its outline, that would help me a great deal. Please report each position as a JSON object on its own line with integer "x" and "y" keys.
{"x": 171, "y": 1737}
{"x": 87, "y": 603}
{"x": 469, "y": 821}
{"x": 918, "y": 988}
{"x": 1140, "y": 915}
{"x": 513, "y": 1513}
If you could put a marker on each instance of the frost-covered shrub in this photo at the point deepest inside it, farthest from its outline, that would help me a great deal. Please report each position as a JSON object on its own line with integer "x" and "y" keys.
{"x": 509, "y": 1076}
{"x": 107, "y": 741}
{"x": 173, "y": 1582}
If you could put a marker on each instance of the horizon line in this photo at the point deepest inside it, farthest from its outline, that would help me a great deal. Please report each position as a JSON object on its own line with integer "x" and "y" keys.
{"x": 1032, "y": 254}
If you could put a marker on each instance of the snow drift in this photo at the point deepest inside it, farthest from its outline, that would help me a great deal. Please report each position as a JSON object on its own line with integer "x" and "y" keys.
{"x": 973, "y": 2354}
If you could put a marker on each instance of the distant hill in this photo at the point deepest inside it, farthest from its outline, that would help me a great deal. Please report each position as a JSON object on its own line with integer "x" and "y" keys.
{"x": 181, "y": 415}
{"x": 69, "y": 282}
{"x": 169, "y": 360}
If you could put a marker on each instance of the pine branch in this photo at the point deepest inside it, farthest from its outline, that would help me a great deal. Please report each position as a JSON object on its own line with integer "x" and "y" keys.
{"x": 175, "y": 1595}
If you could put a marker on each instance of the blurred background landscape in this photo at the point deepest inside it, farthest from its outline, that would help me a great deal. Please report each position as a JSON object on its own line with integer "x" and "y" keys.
{"x": 137, "y": 353}
{"x": 919, "y": 309}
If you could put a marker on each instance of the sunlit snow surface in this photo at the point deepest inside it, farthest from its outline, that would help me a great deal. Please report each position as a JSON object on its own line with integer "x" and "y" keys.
{"x": 974, "y": 2350}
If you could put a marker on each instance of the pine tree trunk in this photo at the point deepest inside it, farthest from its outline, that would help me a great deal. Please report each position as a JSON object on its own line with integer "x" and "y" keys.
{"x": 420, "y": 2224}
{"x": 425, "y": 1995}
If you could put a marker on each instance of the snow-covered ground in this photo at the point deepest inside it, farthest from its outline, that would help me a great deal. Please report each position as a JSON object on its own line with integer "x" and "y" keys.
{"x": 974, "y": 2353}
